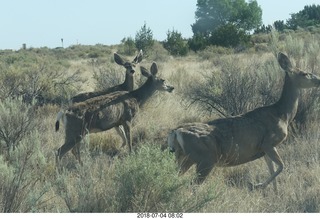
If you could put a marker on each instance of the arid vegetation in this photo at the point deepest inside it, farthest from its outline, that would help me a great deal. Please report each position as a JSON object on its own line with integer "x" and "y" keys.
{"x": 213, "y": 83}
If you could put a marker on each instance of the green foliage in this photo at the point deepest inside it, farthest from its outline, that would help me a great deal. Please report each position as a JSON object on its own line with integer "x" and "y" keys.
{"x": 145, "y": 181}
{"x": 17, "y": 120}
{"x": 36, "y": 77}
{"x": 144, "y": 39}
{"x": 215, "y": 18}
{"x": 148, "y": 182}
{"x": 198, "y": 42}
{"x": 225, "y": 22}
{"x": 263, "y": 29}
{"x": 309, "y": 16}
{"x": 175, "y": 44}
{"x": 20, "y": 175}
{"x": 128, "y": 46}
{"x": 280, "y": 25}
{"x": 229, "y": 36}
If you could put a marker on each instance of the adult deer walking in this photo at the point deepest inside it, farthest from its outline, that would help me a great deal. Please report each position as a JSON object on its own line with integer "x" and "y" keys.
{"x": 108, "y": 111}
{"x": 127, "y": 85}
{"x": 244, "y": 138}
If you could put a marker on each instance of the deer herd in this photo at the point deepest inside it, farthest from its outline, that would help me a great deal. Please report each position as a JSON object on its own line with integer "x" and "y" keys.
{"x": 218, "y": 143}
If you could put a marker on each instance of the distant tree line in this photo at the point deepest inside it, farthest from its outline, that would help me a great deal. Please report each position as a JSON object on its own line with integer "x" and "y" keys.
{"x": 309, "y": 16}
{"x": 225, "y": 23}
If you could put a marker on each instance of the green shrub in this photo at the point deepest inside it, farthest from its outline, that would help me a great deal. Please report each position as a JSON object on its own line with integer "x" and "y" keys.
{"x": 145, "y": 181}
{"x": 175, "y": 44}
{"x": 144, "y": 39}
{"x": 230, "y": 36}
{"x": 20, "y": 176}
{"x": 198, "y": 42}
{"x": 127, "y": 47}
{"x": 148, "y": 181}
{"x": 35, "y": 77}
{"x": 235, "y": 87}
{"x": 17, "y": 120}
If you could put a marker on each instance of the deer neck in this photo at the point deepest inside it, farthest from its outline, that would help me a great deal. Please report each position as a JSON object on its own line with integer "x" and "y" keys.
{"x": 128, "y": 83}
{"x": 143, "y": 93}
{"x": 287, "y": 105}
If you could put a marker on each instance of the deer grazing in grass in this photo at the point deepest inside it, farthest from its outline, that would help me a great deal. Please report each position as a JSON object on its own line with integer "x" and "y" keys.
{"x": 127, "y": 85}
{"x": 244, "y": 138}
{"x": 105, "y": 112}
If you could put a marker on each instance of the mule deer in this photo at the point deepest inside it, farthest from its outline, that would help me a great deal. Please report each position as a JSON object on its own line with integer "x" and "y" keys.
{"x": 127, "y": 85}
{"x": 108, "y": 111}
{"x": 244, "y": 138}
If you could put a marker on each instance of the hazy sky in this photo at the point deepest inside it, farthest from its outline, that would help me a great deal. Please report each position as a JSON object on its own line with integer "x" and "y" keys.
{"x": 41, "y": 23}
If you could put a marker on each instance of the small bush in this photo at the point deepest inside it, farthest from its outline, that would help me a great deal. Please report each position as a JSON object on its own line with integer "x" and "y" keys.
{"x": 17, "y": 120}
{"x": 229, "y": 36}
{"x": 128, "y": 46}
{"x": 144, "y": 39}
{"x": 20, "y": 176}
{"x": 157, "y": 53}
{"x": 34, "y": 77}
{"x": 211, "y": 52}
{"x": 106, "y": 75}
{"x": 148, "y": 182}
{"x": 234, "y": 89}
{"x": 198, "y": 42}
{"x": 175, "y": 44}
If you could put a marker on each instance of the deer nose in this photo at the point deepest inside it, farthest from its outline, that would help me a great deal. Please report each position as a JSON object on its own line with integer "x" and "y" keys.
{"x": 132, "y": 71}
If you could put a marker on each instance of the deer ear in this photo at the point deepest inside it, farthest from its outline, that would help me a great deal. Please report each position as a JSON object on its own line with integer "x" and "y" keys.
{"x": 145, "y": 72}
{"x": 154, "y": 68}
{"x": 118, "y": 59}
{"x": 284, "y": 62}
{"x": 138, "y": 58}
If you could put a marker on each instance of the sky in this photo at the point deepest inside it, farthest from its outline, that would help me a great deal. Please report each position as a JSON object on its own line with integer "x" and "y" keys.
{"x": 43, "y": 23}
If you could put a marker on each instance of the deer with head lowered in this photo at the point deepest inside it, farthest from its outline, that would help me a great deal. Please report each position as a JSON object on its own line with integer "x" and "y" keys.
{"x": 244, "y": 138}
{"x": 127, "y": 85}
{"x": 111, "y": 110}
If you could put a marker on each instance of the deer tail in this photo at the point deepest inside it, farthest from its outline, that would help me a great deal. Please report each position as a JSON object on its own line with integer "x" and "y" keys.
{"x": 59, "y": 116}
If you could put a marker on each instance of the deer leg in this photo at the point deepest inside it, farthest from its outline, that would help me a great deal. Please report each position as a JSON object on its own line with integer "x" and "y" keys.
{"x": 68, "y": 145}
{"x": 121, "y": 132}
{"x": 185, "y": 165}
{"x": 271, "y": 170}
{"x": 76, "y": 152}
{"x": 127, "y": 131}
{"x": 273, "y": 155}
{"x": 203, "y": 169}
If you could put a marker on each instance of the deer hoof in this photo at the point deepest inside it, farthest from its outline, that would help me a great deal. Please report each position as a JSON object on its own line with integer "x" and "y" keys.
{"x": 253, "y": 187}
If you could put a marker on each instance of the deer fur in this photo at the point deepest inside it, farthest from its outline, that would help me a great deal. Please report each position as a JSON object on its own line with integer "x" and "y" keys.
{"x": 127, "y": 85}
{"x": 244, "y": 138}
{"x": 111, "y": 110}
